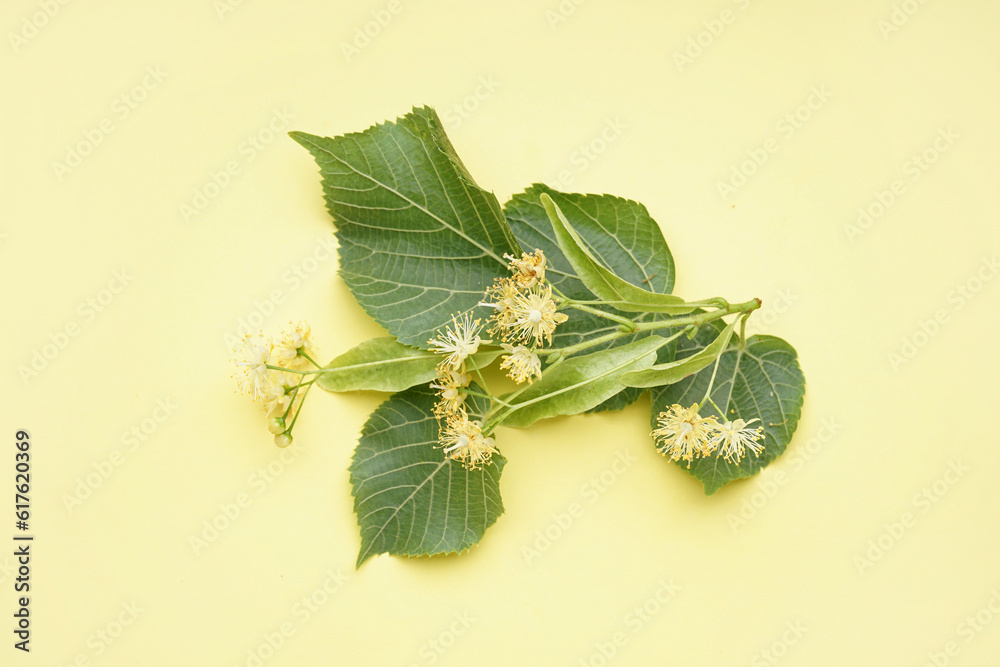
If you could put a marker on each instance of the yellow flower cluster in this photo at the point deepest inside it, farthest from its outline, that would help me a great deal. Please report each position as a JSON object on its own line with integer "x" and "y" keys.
{"x": 458, "y": 341}
{"x": 525, "y": 315}
{"x": 462, "y": 439}
{"x": 529, "y": 270}
{"x": 522, "y": 364}
{"x": 685, "y": 435}
{"x": 278, "y": 391}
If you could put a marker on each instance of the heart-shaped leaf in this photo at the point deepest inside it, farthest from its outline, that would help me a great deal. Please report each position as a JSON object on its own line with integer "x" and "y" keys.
{"x": 419, "y": 240}
{"x": 759, "y": 380}
{"x": 412, "y": 500}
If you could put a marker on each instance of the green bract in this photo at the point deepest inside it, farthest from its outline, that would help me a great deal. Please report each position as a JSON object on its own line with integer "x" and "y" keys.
{"x": 582, "y": 382}
{"x": 384, "y": 364}
{"x": 430, "y": 254}
{"x": 675, "y": 371}
{"x": 602, "y": 281}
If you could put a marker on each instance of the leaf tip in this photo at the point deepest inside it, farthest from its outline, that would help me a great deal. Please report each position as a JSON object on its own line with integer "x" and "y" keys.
{"x": 363, "y": 556}
{"x": 303, "y": 139}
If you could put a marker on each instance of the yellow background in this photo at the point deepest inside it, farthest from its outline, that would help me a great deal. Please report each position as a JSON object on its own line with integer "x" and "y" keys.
{"x": 834, "y": 540}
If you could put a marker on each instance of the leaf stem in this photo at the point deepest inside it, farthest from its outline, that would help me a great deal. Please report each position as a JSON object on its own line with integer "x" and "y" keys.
{"x": 291, "y": 403}
{"x": 290, "y": 370}
{"x": 298, "y": 412}
{"x": 479, "y": 374}
{"x": 712, "y": 302}
{"x": 624, "y": 321}
{"x": 743, "y": 331}
{"x": 746, "y": 307}
{"x": 492, "y": 398}
{"x": 579, "y": 305}
{"x": 687, "y": 321}
{"x": 717, "y": 408}
{"x": 711, "y": 383}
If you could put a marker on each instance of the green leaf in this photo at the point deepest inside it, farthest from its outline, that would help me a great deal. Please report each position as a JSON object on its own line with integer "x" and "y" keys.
{"x": 419, "y": 240}
{"x": 601, "y": 280}
{"x": 669, "y": 373}
{"x": 763, "y": 381}
{"x": 622, "y": 235}
{"x": 384, "y": 364}
{"x": 410, "y": 499}
{"x": 581, "y": 382}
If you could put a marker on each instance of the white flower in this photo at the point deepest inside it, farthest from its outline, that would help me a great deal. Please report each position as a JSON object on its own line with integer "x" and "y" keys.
{"x": 449, "y": 385}
{"x": 529, "y": 270}
{"x": 535, "y": 315}
{"x": 296, "y": 343}
{"x": 463, "y": 440}
{"x": 278, "y": 397}
{"x": 683, "y": 434}
{"x": 522, "y": 364}
{"x": 504, "y": 293}
{"x": 524, "y": 316}
{"x": 253, "y": 375}
{"x": 458, "y": 341}
{"x": 734, "y": 438}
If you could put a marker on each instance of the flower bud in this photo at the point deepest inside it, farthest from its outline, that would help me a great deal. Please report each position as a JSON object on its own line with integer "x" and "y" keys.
{"x": 276, "y": 425}
{"x": 282, "y": 440}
